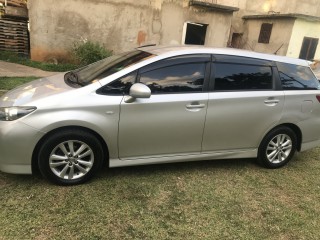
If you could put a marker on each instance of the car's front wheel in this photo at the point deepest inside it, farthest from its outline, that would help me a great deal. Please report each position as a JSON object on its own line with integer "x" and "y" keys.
{"x": 70, "y": 157}
{"x": 277, "y": 148}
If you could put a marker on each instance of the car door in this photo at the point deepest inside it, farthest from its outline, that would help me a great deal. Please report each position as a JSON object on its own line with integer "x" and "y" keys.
{"x": 171, "y": 121}
{"x": 244, "y": 103}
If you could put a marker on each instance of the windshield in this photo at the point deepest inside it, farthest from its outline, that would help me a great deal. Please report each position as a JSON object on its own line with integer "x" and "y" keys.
{"x": 105, "y": 67}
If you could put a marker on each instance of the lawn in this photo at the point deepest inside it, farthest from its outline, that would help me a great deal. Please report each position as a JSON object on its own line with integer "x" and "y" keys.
{"x": 227, "y": 199}
{"x": 233, "y": 199}
{"x": 8, "y": 83}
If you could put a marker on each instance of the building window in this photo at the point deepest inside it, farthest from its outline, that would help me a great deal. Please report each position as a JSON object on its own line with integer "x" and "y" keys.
{"x": 195, "y": 33}
{"x": 265, "y": 33}
{"x": 308, "y": 48}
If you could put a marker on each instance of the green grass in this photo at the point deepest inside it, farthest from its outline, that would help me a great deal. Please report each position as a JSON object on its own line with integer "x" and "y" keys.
{"x": 8, "y": 83}
{"x": 232, "y": 199}
{"x": 11, "y": 57}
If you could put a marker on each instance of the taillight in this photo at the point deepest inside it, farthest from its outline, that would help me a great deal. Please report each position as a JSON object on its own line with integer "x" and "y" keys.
{"x": 318, "y": 97}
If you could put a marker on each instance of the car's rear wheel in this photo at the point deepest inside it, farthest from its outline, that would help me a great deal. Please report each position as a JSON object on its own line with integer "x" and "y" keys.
{"x": 70, "y": 157}
{"x": 277, "y": 148}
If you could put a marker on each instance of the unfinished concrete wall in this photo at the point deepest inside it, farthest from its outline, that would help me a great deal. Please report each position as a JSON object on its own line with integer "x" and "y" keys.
{"x": 119, "y": 25}
{"x": 301, "y": 29}
{"x": 308, "y": 7}
{"x": 279, "y": 39}
{"x": 56, "y": 24}
{"x": 173, "y": 17}
{"x": 250, "y": 7}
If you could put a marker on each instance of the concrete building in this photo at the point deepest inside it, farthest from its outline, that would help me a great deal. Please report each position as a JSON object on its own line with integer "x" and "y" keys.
{"x": 124, "y": 24}
{"x": 254, "y": 7}
{"x": 293, "y": 35}
{"x": 294, "y": 26}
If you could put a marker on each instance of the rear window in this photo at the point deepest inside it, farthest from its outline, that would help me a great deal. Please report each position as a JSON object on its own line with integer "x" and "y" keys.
{"x": 294, "y": 77}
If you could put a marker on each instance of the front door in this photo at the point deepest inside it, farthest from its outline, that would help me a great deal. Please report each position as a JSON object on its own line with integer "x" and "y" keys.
{"x": 171, "y": 121}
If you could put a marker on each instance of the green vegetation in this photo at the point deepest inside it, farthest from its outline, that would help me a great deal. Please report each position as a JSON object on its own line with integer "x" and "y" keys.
{"x": 14, "y": 58}
{"x": 8, "y": 83}
{"x": 89, "y": 52}
{"x": 82, "y": 53}
{"x": 229, "y": 199}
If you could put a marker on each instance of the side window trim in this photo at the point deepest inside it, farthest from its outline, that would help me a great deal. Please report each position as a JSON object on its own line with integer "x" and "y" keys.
{"x": 276, "y": 79}
{"x": 192, "y": 58}
{"x": 220, "y": 58}
{"x": 212, "y": 78}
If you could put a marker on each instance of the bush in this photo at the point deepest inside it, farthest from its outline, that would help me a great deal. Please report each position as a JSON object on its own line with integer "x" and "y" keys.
{"x": 88, "y": 52}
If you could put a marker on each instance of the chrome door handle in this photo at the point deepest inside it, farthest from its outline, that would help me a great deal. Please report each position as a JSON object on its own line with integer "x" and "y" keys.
{"x": 271, "y": 102}
{"x": 195, "y": 106}
{"x": 274, "y": 101}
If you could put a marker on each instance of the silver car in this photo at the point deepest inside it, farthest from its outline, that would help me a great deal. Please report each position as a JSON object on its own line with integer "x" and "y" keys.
{"x": 160, "y": 105}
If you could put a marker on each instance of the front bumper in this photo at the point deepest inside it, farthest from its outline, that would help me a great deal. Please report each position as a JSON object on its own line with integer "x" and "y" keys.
{"x": 17, "y": 142}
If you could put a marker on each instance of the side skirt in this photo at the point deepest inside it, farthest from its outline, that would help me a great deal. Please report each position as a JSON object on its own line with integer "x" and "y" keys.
{"x": 244, "y": 153}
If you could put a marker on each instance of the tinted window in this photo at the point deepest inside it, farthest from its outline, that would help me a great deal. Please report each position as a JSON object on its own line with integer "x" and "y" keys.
{"x": 294, "y": 77}
{"x": 120, "y": 86}
{"x": 175, "y": 79}
{"x": 105, "y": 67}
{"x": 232, "y": 77}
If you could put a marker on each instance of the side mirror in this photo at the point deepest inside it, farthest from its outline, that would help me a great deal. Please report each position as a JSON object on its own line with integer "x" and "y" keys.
{"x": 138, "y": 90}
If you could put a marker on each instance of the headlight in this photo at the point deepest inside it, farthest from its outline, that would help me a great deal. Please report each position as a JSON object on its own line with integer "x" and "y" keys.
{"x": 13, "y": 113}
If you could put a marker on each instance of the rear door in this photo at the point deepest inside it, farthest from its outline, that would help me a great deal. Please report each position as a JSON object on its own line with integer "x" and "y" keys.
{"x": 244, "y": 103}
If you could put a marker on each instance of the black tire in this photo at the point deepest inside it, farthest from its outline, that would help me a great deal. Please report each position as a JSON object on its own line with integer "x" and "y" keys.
{"x": 70, "y": 157}
{"x": 276, "y": 144}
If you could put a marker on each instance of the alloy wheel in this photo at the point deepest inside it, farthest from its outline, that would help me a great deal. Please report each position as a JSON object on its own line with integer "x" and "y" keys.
{"x": 279, "y": 148}
{"x": 71, "y": 159}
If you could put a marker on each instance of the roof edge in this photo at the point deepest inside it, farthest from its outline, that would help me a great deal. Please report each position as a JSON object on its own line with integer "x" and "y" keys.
{"x": 213, "y": 6}
{"x": 283, "y": 16}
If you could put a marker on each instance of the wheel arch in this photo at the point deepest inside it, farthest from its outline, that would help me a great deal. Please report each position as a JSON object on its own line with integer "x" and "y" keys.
{"x": 34, "y": 161}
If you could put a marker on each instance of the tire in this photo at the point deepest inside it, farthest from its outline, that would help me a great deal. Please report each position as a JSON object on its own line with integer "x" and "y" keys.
{"x": 70, "y": 157}
{"x": 277, "y": 148}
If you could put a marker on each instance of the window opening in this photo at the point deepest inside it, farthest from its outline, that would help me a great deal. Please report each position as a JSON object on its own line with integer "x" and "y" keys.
{"x": 265, "y": 33}
{"x": 195, "y": 33}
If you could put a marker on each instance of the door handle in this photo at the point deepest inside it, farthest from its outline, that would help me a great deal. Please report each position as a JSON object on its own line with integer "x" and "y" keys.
{"x": 195, "y": 106}
{"x": 271, "y": 102}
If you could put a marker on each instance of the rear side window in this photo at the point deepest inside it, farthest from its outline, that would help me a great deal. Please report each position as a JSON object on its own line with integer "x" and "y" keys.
{"x": 235, "y": 77}
{"x": 294, "y": 77}
{"x": 181, "y": 78}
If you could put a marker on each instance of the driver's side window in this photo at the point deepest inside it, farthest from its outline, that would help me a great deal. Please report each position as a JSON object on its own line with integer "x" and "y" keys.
{"x": 121, "y": 86}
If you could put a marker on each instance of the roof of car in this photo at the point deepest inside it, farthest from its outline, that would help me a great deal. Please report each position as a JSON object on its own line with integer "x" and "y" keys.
{"x": 194, "y": 49}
